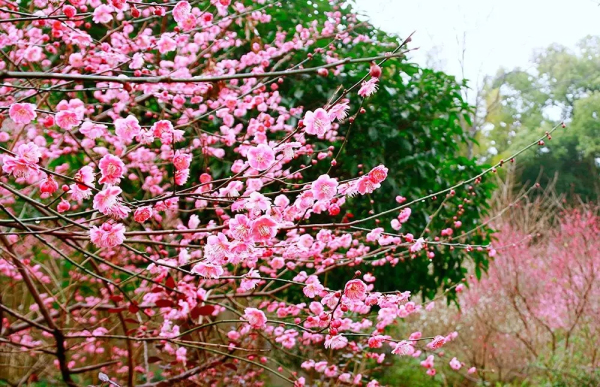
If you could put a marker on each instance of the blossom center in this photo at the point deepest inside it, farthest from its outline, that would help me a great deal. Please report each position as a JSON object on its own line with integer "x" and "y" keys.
{"x": 264, "y": 231}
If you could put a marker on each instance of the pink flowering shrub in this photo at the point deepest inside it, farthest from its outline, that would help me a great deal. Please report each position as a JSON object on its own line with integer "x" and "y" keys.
{"x": 161, "y": 223}
{"x": 534, "y": 317}
{"x": 537, "y": 310}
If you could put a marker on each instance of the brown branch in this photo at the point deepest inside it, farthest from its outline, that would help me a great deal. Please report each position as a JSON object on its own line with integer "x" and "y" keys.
{"x": 23, "y": 318}
{"x": 56, "y": 332}
{"x": 169, "y": 79}
{"x": 94, "y": 367}
{"x": 185, "y": 375}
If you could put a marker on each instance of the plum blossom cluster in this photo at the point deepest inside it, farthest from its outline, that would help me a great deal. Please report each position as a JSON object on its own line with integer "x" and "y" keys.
{"x": 160, "y": 179}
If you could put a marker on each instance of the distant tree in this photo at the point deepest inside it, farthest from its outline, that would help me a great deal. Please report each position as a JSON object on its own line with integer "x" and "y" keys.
{"x": 519, "y": 105}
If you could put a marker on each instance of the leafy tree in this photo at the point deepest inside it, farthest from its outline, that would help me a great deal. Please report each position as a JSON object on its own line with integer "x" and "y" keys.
{"x": 522, "y": 104}
{"x": 413, "y": 126}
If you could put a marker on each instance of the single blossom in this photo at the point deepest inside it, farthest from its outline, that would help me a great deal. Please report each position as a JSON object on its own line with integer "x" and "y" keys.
{"x": 324, "y": 188}
{"x": 455, "y": 364}
{"x": 312, "y": 289}
{"x": 92, "y": 130}
{"x": 355, "y": 290}
{"x": 166, "y": 43}
{"x": 85, "y": 179}
{"x": 368, "y": 88}
{"x": 86, "y": 176}
{"x": 250, "y": 280}
{"x": 67, "y": 119}
{"x": 48, "y": 186}
{"x": 366, "y": 185}
{"x": 437, "y": 342}
{"x": 417, "y": 246}
{"x": 261, "y": 157}
{"x": 112, "y": 169}
{"x": 63, "y": 206}
{"x": 336, "y": 342}
{"x": 208, "y": 270}
{"x": 404, "y": 215}
{"x": 258, "y": 202}
{"x": 378, "y": 174}
{"x": 317, "y": 123}
{"x": 105, "y": 200}
{"x": 263, "y": 229}
{"x": 182, "y": 160}
{"x": 108, "y": 235}
{"x": 217, "y": 249}
{"x": 181, "y": 176}
{"x": 142, "y": 214}
{"x": 127, "y": 128}
{"x": 22, "y": 113}
{"x": 339, "y": 111}
{"x": 377, "y": 341}
{"x": 240, "y": 227}
{"x": 181, "y": 10}
{"x": 403, "y": 348}
{"x": 102, "y": 14}
{"x": 255, "y": 317}
{"x": 428, "y": 363}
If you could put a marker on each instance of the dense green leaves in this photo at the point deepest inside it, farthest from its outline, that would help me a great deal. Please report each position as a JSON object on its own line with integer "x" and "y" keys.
{"x": 412, "y": 126}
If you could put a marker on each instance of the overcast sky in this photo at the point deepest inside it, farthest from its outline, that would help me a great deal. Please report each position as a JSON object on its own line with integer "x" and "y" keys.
{"x": 494, "y": 33}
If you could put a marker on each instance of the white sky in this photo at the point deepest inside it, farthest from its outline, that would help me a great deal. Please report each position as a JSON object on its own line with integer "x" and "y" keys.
{"x": 496, "y": 32}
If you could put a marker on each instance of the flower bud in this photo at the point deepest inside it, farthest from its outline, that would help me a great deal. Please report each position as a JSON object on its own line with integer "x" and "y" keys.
{"x": 375, "y": 71}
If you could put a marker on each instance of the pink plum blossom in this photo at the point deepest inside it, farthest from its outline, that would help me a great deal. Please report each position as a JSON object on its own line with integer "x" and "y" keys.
{"x": 255, "y": 317}
{"x": 437, "y": 342}
{"x": 261, "y": 157}
{"x": 263, "y": 229}
{"x": 336, "y": 342}
{"x": 455, "y": 364}
{"x": 25, "y": 161}
{"x": 355, "y": 290}
{"x": 142, "y": 214}
{"x": 428, "y": 363}
{"x": 378, "y": 174}
{"x": 112, "y": 169}
{"x": 22, "y": 113}
{"x": 403, "y": 348}
{"x": 108, "y": 235}
{"x": 208, "y": 270}
{"x": 368, "y": 88}
{"x": 127, "y": 128}
{"x": 417, "y": 246}
{"x": 317, "y": 123}
{"x": 324, "y": 188}
{"x": 102, "y": 14}
{"x": 404, "y": 215}
{"x": 67, "y": 119}
{"x": 105, "y": 200}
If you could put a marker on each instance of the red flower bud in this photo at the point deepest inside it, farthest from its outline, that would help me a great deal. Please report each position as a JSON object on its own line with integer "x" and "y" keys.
{"x": 375, "y": 71}
{"x": 334, "y": 210}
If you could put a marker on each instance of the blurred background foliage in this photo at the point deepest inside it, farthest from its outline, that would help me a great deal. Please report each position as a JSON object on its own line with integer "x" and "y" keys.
{"x": 519, "y": 105}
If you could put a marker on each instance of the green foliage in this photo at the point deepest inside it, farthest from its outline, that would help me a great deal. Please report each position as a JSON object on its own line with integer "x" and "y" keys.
{"x": 412, "y": 126}
{"x": 518, "y": 104}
